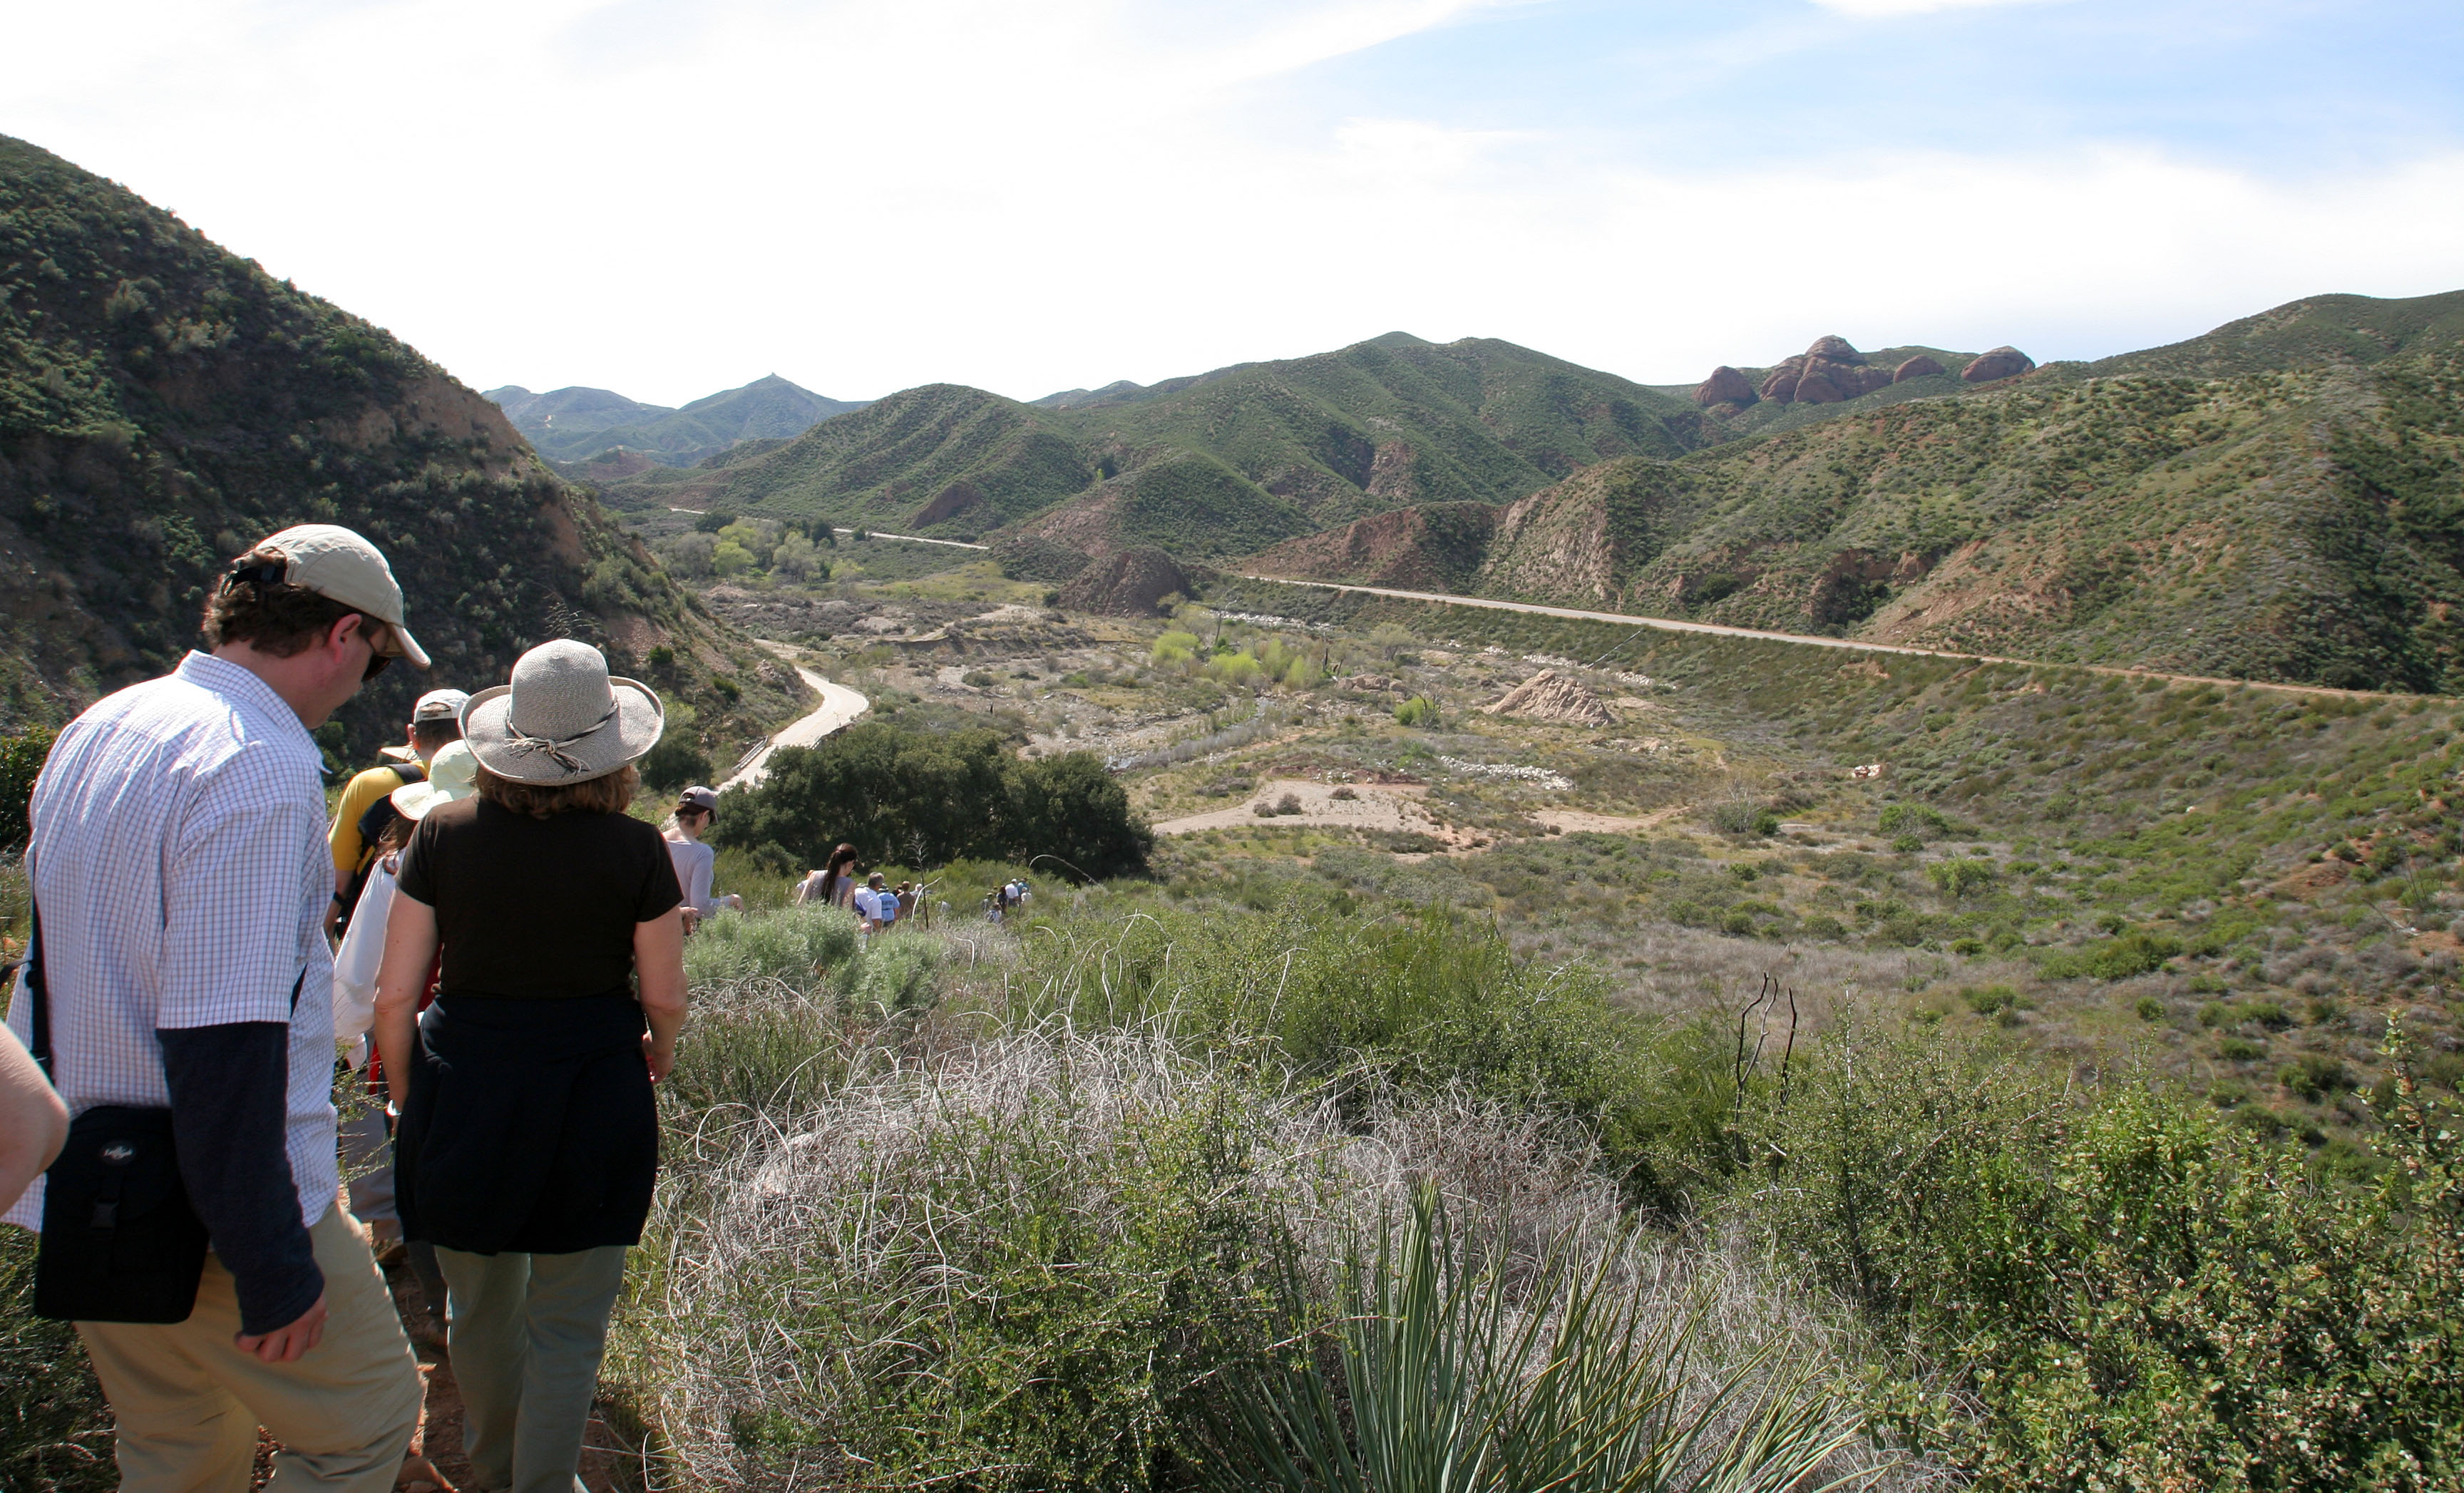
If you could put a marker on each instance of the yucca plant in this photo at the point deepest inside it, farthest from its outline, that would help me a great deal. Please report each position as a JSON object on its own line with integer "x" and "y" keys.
{"x": 1433, "y": 1379}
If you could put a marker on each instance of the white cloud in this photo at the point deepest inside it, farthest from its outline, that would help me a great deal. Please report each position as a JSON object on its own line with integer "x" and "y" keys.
{"x": 864, "y": 197}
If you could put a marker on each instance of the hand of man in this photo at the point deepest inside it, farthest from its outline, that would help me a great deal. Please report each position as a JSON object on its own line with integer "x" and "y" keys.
{"x": 661, "y": 1059}
{"x": 285, "y": 1344}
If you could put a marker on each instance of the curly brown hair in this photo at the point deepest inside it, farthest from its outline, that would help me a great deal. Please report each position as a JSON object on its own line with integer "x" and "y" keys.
{"x": 613, "y": 794}
{"x": 271, "y": 617}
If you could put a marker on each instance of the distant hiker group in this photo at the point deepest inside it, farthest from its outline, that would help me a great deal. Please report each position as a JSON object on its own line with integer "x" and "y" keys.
{"x": 878, "y": 906}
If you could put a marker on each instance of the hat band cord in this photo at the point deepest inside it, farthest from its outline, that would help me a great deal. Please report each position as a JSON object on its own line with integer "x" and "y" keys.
{"x": 554, "y": 749}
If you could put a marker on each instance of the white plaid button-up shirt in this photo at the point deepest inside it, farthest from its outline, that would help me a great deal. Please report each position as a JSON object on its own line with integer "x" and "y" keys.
{"x": 179, "y": 859}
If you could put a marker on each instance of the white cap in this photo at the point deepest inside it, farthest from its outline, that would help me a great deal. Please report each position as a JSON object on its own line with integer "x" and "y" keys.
{"x": 332, "y": 561}
{"x": 440, "y": 705}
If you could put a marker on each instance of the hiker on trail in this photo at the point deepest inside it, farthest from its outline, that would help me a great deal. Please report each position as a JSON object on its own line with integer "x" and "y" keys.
{"x": 832, "y": 885}
{"x": 529, "y": 1142}
{"x": 435, "y": 720}
{"x": 694, "y": 861}
{"x": 179, "y": 875}
{"x": 33, "y": 1123}
{"x": 367, "y": 1138}
{"x": 876, "y": 907}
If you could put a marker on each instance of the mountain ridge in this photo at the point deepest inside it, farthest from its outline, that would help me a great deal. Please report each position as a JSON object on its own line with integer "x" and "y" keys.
{"x": 574, "y": 424}
{"x": 161, "y": 392}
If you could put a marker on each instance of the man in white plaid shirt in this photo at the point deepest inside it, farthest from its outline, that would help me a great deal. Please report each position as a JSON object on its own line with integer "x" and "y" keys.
{"x": 180, "y": 873}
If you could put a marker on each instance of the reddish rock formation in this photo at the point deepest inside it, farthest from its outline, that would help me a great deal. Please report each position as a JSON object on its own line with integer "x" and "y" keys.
{"x": 1724, "y": 387}
{"x": 1814, "y": 388}
{"x": 2002, "y": 362}
{"x": 1918, "y": 366}
{"x": 1826, "y": 373}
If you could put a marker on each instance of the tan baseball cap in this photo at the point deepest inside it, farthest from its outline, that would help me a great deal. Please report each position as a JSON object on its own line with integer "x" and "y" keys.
{"x": 439, "y": 705}
{"x": 332, "y": 561}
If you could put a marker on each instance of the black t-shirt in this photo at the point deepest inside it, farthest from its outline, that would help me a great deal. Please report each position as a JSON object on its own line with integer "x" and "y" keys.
{"x": 536, "y": 907}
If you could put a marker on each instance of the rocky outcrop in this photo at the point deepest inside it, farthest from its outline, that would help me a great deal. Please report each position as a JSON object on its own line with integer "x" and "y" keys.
{"x": 1551, "y": 696}
{"x": 1724, "y": 387}
{"x": 1918, "y": 366}
{"x": 1829, "y": 372}
{"x": 2002, "y": 362}
{"x": 1126, "y": 583}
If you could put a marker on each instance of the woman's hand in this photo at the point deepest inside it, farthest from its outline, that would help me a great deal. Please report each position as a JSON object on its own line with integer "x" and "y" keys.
{"x": 659, "y": 965}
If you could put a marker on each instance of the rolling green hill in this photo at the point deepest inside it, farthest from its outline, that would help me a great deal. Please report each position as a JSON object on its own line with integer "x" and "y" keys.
{"x": 1291, "y": 446}
{"x": 2301, "y": 516}
{"x": 164, "y": 403}
{"x": 571, "y": 424}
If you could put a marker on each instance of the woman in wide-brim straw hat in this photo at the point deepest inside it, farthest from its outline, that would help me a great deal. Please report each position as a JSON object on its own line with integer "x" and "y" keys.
{"x": 529, "y": 1139}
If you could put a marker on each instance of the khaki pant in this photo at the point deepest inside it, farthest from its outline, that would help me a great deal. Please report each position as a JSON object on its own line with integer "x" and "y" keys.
{"x": 526, "y": 1338}
{"x": 188, "y": 1403}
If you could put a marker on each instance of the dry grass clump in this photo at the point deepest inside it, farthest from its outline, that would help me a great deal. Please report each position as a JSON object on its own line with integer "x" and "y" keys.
{"x": 1026, "y": 1259}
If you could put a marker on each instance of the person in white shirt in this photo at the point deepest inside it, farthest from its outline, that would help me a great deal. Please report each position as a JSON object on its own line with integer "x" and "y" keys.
{"x": 695, "y": 861}
{"x": 180, "y": 869}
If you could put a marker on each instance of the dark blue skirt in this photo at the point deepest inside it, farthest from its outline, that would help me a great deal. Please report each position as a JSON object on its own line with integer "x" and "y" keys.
{"x": 530, "y": 1128}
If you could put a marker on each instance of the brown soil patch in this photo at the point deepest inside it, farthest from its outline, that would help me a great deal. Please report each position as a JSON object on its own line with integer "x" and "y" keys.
{"x": 1372, "y": 807}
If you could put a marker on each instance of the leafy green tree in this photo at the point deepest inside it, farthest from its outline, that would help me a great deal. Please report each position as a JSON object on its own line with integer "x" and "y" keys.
{"x": 931, "y": 798}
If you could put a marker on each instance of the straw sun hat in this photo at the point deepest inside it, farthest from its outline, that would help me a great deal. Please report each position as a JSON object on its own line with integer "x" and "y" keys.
{"x": 563, "y": 719}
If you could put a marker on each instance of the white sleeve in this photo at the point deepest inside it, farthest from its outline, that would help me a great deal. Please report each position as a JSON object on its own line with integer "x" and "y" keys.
{"x": 356, "y": 963}
{"x": 698, "y": 893}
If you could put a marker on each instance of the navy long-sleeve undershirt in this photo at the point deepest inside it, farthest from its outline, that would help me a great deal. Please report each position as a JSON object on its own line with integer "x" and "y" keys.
{"x": 229, "y": 1087}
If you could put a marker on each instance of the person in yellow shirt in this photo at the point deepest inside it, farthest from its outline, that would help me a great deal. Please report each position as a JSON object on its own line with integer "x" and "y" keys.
{"x": 435, "y": 721}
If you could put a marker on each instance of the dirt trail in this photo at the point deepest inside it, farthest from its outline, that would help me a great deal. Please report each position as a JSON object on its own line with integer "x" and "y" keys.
{"x": 840, "y": 704}
{"x": 1850, "y": 644}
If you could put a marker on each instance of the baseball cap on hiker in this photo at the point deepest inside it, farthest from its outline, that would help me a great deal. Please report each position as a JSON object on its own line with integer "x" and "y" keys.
{"x": 705, "y": 799}
{"x": 336, "y": 563}
{"x": 452, "y": 777}
{"x": 439, "y": 705}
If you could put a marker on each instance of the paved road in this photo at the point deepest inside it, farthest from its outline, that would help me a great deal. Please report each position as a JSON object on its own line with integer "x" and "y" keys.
{"x": 840, "y": 704}
{"x": 1851, "y": 645}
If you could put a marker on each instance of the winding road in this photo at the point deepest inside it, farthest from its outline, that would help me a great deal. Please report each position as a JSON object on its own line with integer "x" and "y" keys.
{"x": 840, "y": 704}
{"x": 1850, "y": 644}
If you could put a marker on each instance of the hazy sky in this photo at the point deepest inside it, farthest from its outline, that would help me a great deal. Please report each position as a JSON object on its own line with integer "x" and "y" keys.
{"x": 667, "y": 199}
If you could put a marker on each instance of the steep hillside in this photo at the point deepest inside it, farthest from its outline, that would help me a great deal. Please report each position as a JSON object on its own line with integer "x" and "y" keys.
{"x": 2315, "y": 332}
{"x": 164, "y": 403}
{"x": 570, "y": 424}
{"x": 1433, "y": 547}
{"x": 1395, "y": 421}
{"x": 1184, "y": 503}
{"x": 2298, "y": 524}
{"x": 943, "y": 459}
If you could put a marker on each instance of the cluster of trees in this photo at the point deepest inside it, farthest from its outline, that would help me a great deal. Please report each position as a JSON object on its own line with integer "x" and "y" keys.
{"x": 927, "y": 799}
{"x": 1273, "y": 662}
{"x": 723, "y": 545}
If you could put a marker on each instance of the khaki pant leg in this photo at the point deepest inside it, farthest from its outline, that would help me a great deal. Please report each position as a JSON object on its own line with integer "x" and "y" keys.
{"x": 344, "y": 1411}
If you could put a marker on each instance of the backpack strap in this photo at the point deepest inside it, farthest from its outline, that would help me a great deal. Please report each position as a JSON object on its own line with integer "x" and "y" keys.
{"x": 41, "y": 1045}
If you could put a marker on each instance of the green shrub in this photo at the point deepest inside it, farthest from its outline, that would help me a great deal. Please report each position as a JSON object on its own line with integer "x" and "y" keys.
{"x": 792, "y": 945}
{"x": 2314, "y": 1076}
{"x": 1743, "y": 820}
{"x": 1418, "y": 711}
{"x": 2117, "y": 958}
{"x": 676, "y": 762}
{"x": 2136, "y": 1291}
{"x": 2241, "y": 1049}
{"x": 21, "y": 761}
{"x": 2149, "y": 1008}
